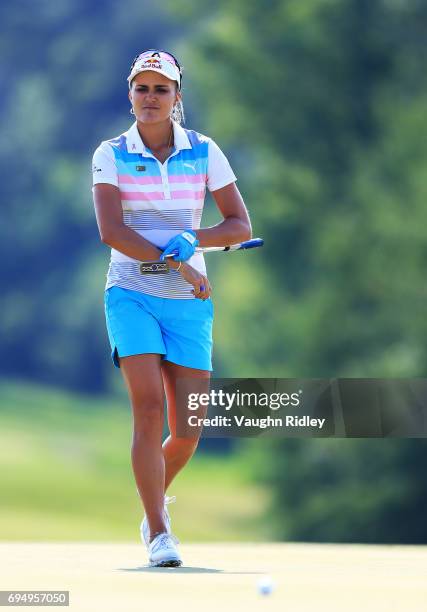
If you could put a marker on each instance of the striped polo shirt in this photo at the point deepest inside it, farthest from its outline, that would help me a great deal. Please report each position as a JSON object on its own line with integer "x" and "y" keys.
{"x": 159, "y": 200}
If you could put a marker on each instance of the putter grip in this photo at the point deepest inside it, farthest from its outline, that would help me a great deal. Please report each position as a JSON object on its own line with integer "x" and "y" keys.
{"x": 252, "y": 244}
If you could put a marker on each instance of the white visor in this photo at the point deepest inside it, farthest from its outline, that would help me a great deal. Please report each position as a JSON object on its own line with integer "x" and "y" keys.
{"x": 158, "y": 62}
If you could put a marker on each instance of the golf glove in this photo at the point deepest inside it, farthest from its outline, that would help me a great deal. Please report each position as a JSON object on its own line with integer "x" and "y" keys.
{"x": 182, "y": 246}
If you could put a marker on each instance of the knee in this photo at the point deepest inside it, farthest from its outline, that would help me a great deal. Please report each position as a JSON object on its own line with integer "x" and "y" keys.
{"x": 148, "y": 414}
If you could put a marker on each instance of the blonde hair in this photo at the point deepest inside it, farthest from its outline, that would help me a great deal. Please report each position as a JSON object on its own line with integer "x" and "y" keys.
{"x": 178, "y": 113}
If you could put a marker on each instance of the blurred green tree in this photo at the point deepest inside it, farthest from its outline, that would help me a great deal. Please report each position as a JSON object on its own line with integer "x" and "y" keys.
{"x": 344, "y": 490}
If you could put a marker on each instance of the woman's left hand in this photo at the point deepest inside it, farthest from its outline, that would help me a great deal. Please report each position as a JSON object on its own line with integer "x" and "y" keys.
{"x": 182, "y": 246}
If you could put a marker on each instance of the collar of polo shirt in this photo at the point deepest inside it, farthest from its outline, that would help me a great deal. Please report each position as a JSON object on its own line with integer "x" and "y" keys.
{"x": 135, "y": 144}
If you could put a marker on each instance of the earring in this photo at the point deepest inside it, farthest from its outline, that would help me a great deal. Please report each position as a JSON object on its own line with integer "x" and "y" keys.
{"x": 132, "y": 112}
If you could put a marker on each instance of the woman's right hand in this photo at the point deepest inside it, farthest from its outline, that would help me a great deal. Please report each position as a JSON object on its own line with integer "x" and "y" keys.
{"x": 201, "y": 286}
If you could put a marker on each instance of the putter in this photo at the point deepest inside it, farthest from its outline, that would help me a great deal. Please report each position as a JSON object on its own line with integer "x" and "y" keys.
{"x": 161, "y": 267}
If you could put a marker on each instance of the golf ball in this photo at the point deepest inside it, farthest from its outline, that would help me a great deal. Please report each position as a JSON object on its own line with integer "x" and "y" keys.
{"x": 265, "y": 585}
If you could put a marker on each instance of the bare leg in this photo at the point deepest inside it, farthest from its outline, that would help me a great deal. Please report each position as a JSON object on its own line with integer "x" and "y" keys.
{"x": 178, "y": 451}
{"x": 142, "y": 374}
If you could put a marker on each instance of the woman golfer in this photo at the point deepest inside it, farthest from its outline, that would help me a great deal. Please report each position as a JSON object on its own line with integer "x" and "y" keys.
{"x": 149, "y": 190}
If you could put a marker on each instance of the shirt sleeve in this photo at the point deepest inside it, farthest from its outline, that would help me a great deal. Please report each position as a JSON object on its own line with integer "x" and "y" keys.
{"x": 220, "y": 173}
{"x": 104, "y": 167}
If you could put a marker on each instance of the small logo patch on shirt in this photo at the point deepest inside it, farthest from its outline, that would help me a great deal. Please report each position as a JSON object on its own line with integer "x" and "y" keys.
{"x": 140, "y": 168}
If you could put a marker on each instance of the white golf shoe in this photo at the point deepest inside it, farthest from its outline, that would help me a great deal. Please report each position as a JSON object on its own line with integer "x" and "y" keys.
{"x": 145, "y": 529}
{"x": 163, "y": 552}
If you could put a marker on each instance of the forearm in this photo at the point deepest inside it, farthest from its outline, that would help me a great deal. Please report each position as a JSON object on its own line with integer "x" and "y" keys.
{"x": 230, "y": 231}
{"x": 130, "y": 243}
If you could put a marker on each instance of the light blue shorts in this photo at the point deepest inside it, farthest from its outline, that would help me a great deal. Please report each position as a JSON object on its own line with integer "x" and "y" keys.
{"x": 179, "y": 330}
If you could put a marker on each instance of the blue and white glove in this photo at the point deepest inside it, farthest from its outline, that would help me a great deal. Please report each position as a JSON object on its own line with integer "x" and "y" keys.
{"x": 182, "y": 246}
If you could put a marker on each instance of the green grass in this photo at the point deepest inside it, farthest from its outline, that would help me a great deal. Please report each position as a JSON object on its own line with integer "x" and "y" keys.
{"x": 65, "y": 474}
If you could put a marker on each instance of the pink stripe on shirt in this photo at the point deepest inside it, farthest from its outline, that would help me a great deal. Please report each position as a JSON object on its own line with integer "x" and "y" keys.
{"x": 140, "y": 180}
{"x": 183, "y": 194}
{"x": 187, "y": 178}
{"x": 157, "y": 180}
{"x": 140, "y": 195}
{"x": 186, "y": 194}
